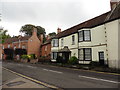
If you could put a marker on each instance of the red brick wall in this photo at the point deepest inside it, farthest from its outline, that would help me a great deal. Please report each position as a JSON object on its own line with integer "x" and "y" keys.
{"x": 46, "y": 50}
{"x": 34, "y": 45}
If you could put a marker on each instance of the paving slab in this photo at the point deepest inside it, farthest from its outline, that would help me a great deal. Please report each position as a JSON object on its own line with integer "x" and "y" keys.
{"x": 11, "y": 80}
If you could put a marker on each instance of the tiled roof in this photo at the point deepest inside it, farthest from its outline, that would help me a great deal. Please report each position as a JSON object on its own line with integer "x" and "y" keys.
{"x": 47, "y": 42}
{"x": 92, "y": 22}
{"x": 87, "y": 24}
{"x": 15, "y": 39}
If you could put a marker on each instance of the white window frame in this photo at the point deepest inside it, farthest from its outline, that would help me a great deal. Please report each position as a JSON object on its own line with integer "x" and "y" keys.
{"x": 84, "y": 35}
{"x": 62, "y": 42}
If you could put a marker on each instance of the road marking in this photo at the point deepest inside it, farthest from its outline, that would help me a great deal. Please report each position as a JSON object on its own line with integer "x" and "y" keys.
{"x": 86, "y": 70}
{"x": 52, "y": 71}
{"x": 31, "y": 67}
{"x": 98, "y": 79}
{"x": 34, "y": 80}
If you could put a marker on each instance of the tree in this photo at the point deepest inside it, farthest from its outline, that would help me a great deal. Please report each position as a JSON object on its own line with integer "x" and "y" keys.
{"x": 27, "y": 29}
{"x": 3, "y": 35}
{"x": 52, "y": 34}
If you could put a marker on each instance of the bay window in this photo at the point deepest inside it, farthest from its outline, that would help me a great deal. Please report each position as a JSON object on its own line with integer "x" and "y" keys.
{"x": 85, "y": 54}
{"x": 84, "y": 35}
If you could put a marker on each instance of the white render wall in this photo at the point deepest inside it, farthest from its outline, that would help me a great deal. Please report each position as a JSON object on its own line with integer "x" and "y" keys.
{"x": 97, "y": 43}
{"x": 112, "y": 43}
{"x": 67, "y": 41}
{"x": 119, "y": 44}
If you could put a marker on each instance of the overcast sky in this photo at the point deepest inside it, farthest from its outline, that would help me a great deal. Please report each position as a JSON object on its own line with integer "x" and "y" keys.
{"x": 50, "y": 14}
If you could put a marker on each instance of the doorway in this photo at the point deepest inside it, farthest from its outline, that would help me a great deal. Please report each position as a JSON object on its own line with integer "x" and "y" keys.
{"x": 101, "y": 58}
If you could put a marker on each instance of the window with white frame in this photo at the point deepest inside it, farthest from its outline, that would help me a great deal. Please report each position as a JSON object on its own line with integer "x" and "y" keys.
{"x": 81, "y": 36}
{"x": 85, "y": 54}
{"x": 8, "y": 45}
{"x": 3, "y": 47}
{"x": 23, "y": 47}
{"x": 45, "y": 48}
{"x": 73, "y": 39}
{"x": 84, "y": 35}
{"x": 14, "y": 47}
{"x": 54, "y": 55}
{"x": 55, "y": 42}
{"x": 62, "y": 42}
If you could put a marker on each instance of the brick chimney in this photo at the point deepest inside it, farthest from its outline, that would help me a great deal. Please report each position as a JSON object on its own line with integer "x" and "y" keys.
{"x": 34, "y": 31}
{"x": 58, "y": 30}
{"x": 41, "y": 38}
{"x": 113, "y": 3}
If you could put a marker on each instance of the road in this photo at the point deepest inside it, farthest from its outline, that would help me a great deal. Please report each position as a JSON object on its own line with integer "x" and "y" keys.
{"x": 63, "y": 77}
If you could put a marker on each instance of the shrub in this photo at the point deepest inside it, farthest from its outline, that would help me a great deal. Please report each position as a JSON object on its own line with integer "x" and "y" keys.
{"x": 24, "y": 57}
{"x": 73, "y": 60}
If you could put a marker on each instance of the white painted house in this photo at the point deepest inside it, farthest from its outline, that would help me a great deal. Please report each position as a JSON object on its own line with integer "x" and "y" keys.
{"x": 97, "y": 39}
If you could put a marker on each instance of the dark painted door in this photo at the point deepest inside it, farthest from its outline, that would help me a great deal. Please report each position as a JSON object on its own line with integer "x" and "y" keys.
{"x": 101, "y": 58}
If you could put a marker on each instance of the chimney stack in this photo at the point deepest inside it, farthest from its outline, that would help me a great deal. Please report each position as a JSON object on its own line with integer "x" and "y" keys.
{"x": 34, "y": 31}
{"x": 113, "y": 3}
{"x": 58, "y": 30}
{"x": 41, "y": 38}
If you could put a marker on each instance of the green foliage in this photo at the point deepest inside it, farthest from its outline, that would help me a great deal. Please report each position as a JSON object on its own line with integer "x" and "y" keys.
{"x": 73, "y": 60}
{"x": 52, "y": 34}
{"x": 27, "y": 29}
{"x": 32, "y": 56}
{"x": 3, "y": 35}
{"x": 24, "y": 57}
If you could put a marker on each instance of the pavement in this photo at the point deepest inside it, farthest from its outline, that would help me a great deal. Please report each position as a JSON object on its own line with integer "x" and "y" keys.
{"x": 63, "y": 77}
{"x": 11, "y": 80}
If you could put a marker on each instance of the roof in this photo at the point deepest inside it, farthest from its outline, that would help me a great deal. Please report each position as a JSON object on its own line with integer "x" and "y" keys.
{"x": 15, "y": 39}
{"x": 47, "y": 42}
{"x": 99, "y": 20}
{"x": 65, "y": 49}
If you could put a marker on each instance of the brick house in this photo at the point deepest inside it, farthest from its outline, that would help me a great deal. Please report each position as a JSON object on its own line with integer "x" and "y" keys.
{"x": 0, "y": 51}
{"x": 26, "y": 44}
{"x": 45, "y": 50}
{"x": 95, "y": 40}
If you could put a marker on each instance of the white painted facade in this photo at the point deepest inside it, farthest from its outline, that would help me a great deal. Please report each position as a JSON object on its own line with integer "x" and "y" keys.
{"x": 67, "y": 41}
{"x": 104, "y": 38}
{"x": 113, "y": 46}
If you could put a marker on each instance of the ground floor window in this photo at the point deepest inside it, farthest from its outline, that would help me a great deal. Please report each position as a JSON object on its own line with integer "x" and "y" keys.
{"x": 85, "y": 54}
{"x": 54, "y": 55}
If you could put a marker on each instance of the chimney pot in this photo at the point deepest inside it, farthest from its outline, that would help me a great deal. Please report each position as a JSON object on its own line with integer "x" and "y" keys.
{"x": 113, "y": 3}
{"x": 58, "y": 30}
{"x": 34, "y": 31}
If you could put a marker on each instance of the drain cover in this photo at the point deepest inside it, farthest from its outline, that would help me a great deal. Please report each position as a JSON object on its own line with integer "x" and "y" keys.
{"x": 15, "y": 83}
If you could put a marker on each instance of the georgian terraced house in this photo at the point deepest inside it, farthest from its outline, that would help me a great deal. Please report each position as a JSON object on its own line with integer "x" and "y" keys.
{"x": 97, "y": 39}
{"x": 27, "y": 45}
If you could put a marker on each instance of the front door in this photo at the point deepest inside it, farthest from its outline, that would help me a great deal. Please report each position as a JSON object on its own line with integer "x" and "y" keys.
{"x": 101, "y": 58}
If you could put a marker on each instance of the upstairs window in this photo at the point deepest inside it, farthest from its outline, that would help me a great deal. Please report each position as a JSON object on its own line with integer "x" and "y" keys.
{"x": 8, "y": 46}
{"x": 73, "y": 40}
{"x": 84, "y": 35}
{"x": 62, "y": 42}
{"x": 3, "y": 47}
{"x": 45, "y": 48}
{"x": 55, "y": 42}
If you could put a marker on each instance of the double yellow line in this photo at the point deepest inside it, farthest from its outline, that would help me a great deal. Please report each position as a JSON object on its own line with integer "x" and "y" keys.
{"x": 31, "y": 79}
